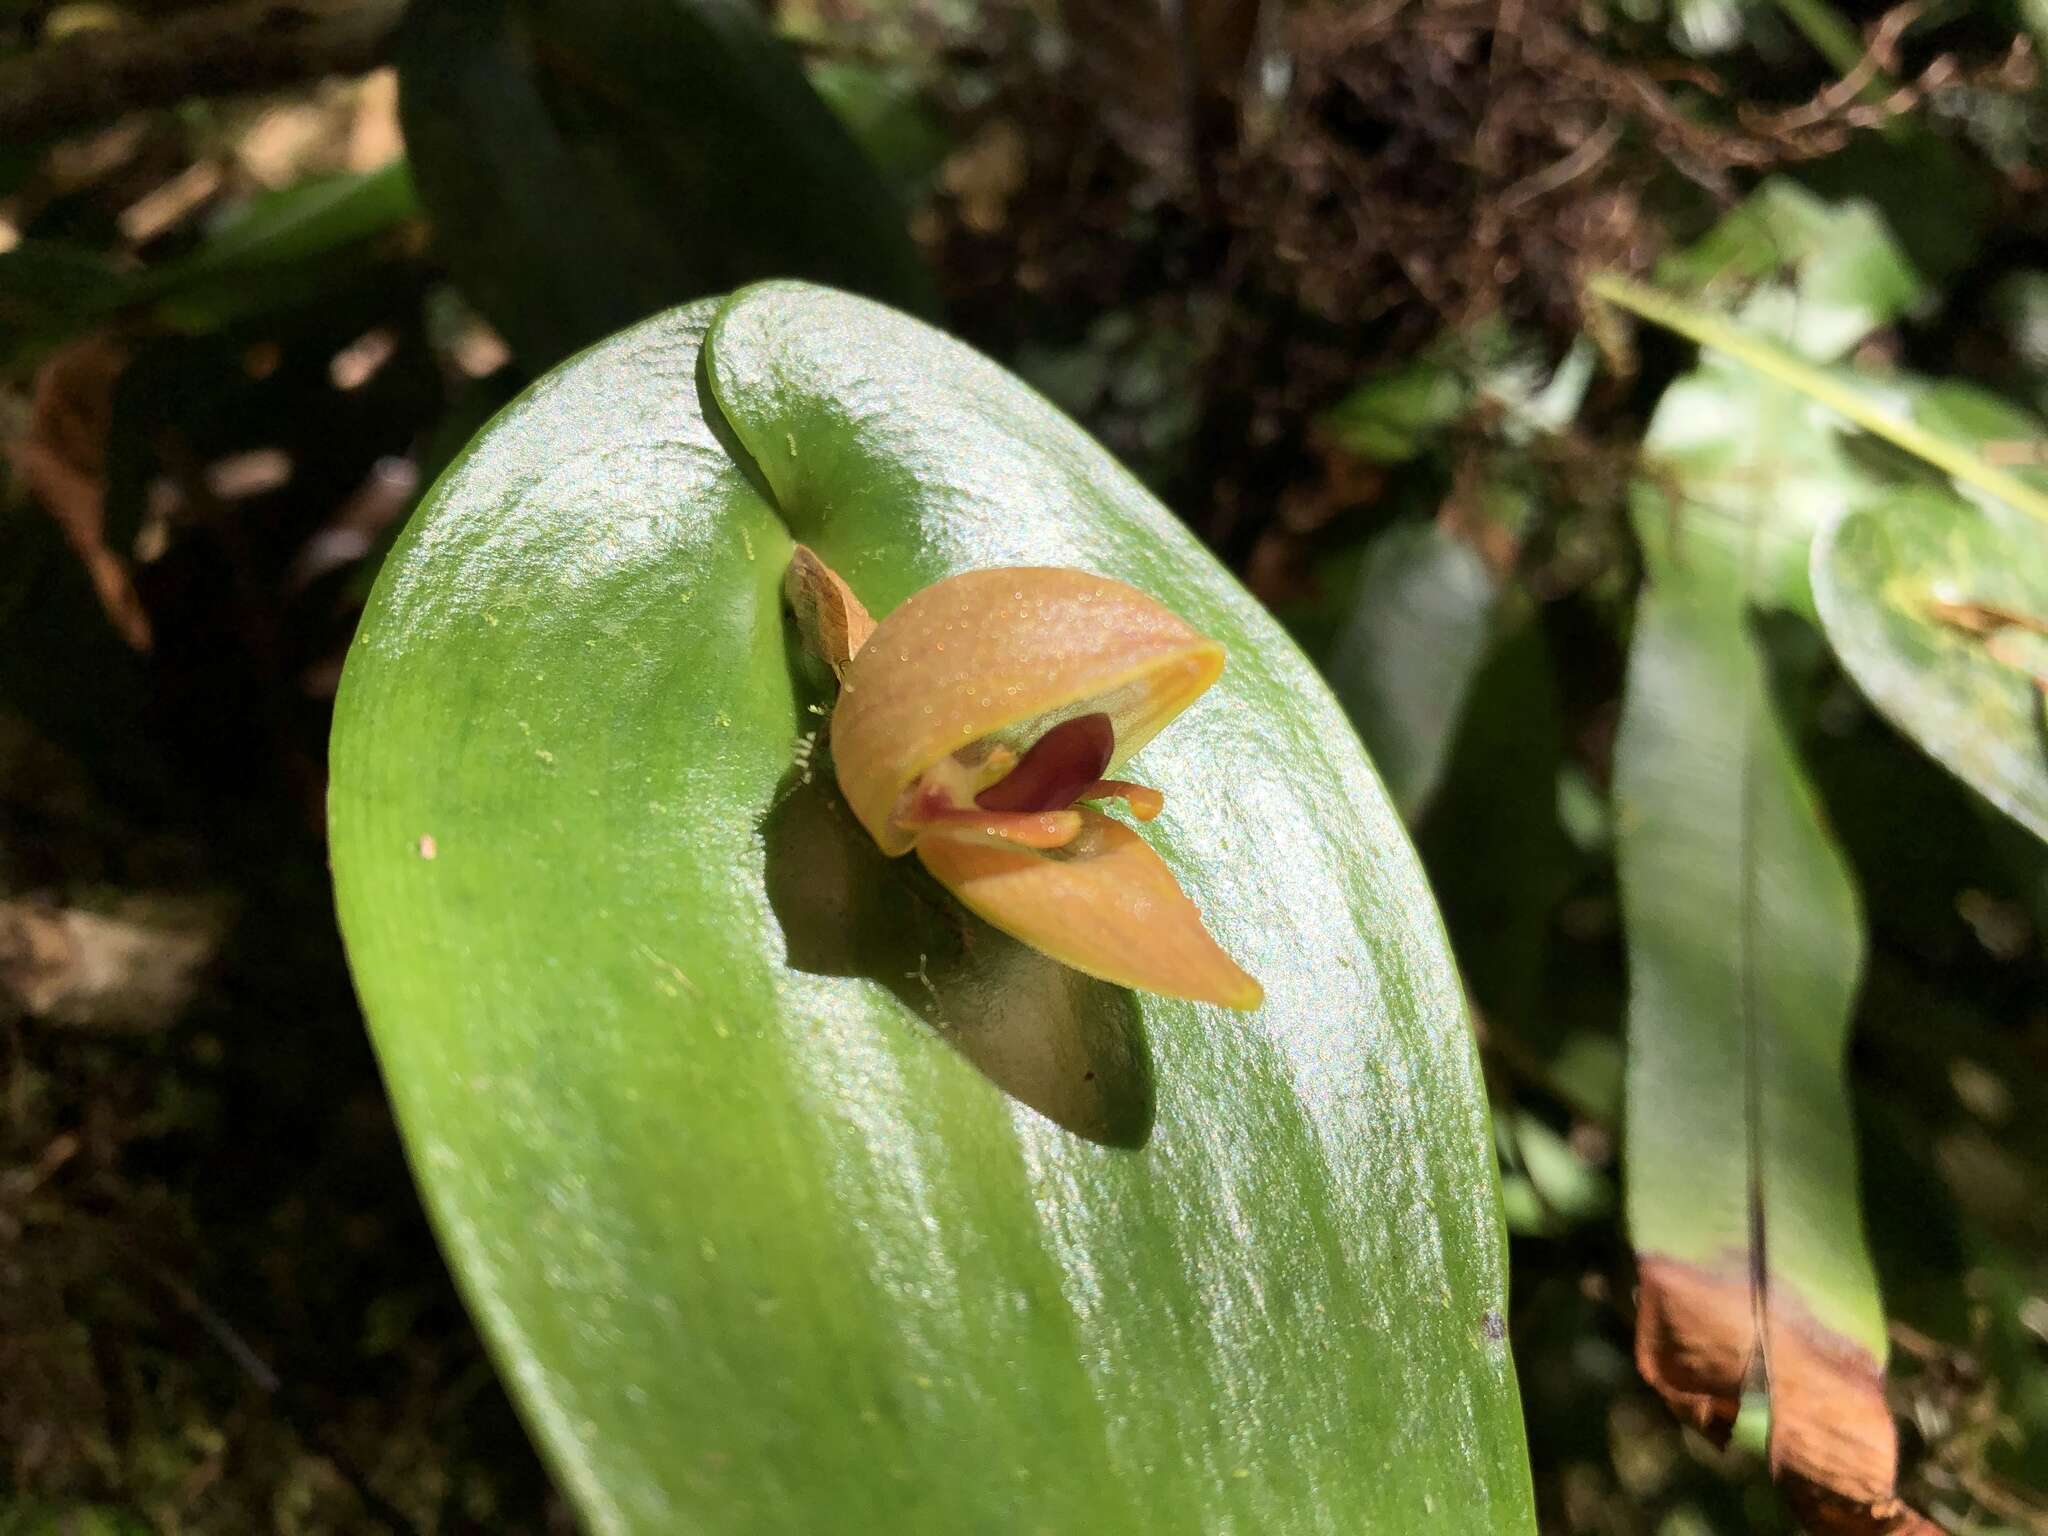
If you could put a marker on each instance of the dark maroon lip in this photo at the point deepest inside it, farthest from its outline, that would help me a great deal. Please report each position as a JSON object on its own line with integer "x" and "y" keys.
{"x": 1061, "y": 764}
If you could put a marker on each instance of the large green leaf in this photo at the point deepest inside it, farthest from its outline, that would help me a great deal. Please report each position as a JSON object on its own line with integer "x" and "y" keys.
{"x": 791, "y": 1198}
{"x": 1940, "y": 612}
{"x": 1745, "y": 939}
{"x": 588, "y": 162}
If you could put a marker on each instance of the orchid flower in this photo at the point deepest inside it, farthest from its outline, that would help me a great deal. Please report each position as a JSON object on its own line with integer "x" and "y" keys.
{"x": 977, "y": 721}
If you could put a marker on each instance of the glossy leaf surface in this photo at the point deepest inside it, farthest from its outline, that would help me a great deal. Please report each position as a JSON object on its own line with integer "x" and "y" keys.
{"x": 791, "y": 1196}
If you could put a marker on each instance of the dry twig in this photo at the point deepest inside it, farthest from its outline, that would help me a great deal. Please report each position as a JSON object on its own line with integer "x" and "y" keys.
{"x": 258, "y": 45}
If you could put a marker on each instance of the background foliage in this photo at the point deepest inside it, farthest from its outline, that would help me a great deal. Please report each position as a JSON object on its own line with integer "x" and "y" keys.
{"x": 1325, "y": 276}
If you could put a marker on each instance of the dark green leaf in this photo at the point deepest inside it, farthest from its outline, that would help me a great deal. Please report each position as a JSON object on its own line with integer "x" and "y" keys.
{"x": 1491, "y": 840}
{"x": 1939, "y": 200}
{"x": 588, "y": 162}
{"x": 1420, "y": 618}
{"x": 51, "y": 291}
{"x": 887, "y": 121}
{"x": 1398, "y": 415}
{"x": 288, "y": 247}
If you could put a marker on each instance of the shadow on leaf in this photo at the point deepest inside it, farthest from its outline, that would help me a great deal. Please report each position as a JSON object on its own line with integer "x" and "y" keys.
{"x": 1071, "y": 1047}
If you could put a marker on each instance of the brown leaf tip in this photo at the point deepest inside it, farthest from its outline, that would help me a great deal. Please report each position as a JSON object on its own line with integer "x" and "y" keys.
{"x": 1833, "y": 1446}
{"x": 1695, "y": 1338}
{"x": 833, "y": 622}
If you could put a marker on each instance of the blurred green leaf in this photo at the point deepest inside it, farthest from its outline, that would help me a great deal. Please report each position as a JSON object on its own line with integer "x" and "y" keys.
{"x": 774, "y": 1179}
{"x": 1586, "y": 1071}
{"x": 588, "y": 162}
{"x": 1398, "y": 415}
{"x": 1571, "y": 1193}
{"x": 1830, "y": 272}
{"x": 1940, "y": 612}
{"x": 1490, "y": 838}
{"x": 1987, "y": 426}
{"x": 1883, "y": 621}
{"x": 296, "y": 246}
{"x": 882, "y": 112}
{"x": 51, "y": 291}
{"x": 1885, "y": 409}
{"x": 41, "y": 1519}
{"x": 2019, "y": 305}
{"x": 1521, "y": 1207}
{"x": 1420, "y": 617}
{"x": 1726, "y": 440}
{"x": 1747, "y": 430}
{"x": 1939, "y": 201}
{"x": 291, "y": 246}
{"x": 1490, "y": 372}
{"x": 1535, "y": 403}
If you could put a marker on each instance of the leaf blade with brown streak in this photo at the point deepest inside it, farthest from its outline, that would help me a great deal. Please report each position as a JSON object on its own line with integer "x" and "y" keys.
{"x": 1745, "y": 945}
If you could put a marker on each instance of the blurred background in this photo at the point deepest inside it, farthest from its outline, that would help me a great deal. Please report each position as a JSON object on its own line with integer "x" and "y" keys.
{"x": 1317, "y": 272}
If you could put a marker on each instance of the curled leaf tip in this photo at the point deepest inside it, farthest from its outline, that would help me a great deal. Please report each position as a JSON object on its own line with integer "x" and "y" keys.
{"x": 832, "y": 621}
{"x": 975, "y": 723}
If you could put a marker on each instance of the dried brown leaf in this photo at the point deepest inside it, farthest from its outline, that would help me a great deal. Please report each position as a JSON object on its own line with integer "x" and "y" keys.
{"x": 832, "y": 621}
{"x": 133, "y": 971}
{"x": 62, "y": 459}
{"x": 1833, "y": 1448}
